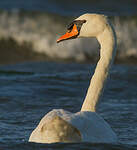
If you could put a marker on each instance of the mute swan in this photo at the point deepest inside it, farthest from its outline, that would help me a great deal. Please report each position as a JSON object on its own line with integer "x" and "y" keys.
{"x": 86, "y": 125}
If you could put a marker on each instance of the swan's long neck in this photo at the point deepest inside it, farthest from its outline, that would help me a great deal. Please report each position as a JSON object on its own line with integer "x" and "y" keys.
{"x": 107, "y": 42}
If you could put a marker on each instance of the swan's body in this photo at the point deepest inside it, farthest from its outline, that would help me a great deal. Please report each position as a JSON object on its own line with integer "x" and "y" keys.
{"x": 63, "y": 126}
{"x": 86, "y": 125}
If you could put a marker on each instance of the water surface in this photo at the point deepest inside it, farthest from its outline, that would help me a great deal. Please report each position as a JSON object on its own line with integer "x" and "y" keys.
{"x": 30, "y": 90}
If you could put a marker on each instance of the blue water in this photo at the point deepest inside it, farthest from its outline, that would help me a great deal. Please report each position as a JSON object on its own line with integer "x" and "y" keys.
{"x": 71, "y": 7}
{"x": 30, "y": 90}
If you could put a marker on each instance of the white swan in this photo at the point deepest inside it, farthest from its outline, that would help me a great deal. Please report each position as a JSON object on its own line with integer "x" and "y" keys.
{"x": 62, "y": 126}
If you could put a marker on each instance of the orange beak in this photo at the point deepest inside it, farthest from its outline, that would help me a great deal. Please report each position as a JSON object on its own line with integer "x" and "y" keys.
{"x": 68, "y": 35}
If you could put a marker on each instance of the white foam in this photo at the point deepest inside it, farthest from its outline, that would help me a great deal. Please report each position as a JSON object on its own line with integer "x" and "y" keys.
{"x": 43, "y": 30}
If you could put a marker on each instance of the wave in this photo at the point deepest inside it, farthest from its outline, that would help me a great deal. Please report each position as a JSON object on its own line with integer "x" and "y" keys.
{"x": 40, "y": 30}
{"x": 65, "y": 146}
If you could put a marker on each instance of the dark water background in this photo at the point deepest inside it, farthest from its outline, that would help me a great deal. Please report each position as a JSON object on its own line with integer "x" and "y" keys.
{"x": 31, "y": 89}
{"x": 71, "y": 7}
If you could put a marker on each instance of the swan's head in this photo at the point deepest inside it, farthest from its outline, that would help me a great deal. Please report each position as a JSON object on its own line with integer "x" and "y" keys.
{"x": 87, "y": 25}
